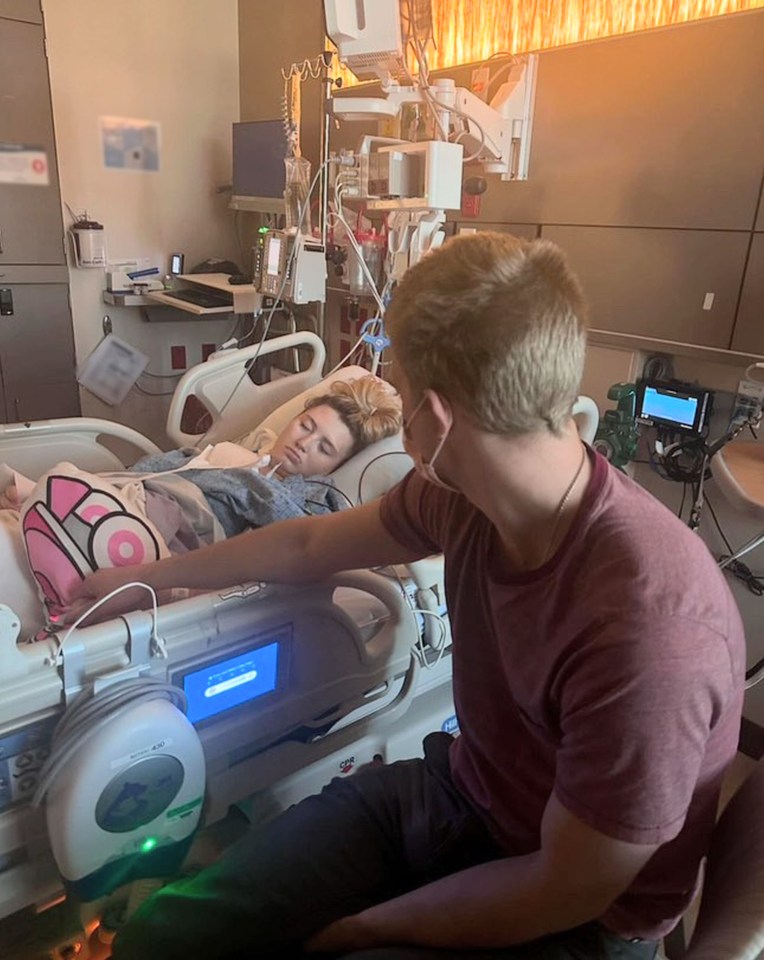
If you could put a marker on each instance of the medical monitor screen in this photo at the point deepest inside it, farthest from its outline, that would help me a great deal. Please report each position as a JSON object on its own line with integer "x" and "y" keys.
{"x": 273, "y": 260}
{"x": 662, "y": 406}
{"x": 230, "y": 681}
{"x": 259, "y": 148}
{"x": 683, "y": 408}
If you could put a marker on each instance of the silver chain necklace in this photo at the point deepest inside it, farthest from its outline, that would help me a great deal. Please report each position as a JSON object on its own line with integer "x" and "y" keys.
{"x": 563, "y": 504}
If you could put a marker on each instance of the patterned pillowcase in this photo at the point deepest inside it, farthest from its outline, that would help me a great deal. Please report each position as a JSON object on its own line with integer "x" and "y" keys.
{"x": 75, "y": 523}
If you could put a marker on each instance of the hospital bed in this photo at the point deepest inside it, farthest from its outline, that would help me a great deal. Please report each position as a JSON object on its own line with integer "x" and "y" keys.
{"x": 286, "y": 686}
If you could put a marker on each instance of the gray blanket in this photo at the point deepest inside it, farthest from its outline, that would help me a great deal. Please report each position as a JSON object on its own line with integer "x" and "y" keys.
{"x": 242, "y": 498}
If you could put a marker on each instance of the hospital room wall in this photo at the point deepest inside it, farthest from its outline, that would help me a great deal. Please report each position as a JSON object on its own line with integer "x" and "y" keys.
{"x": 175, "y": 63}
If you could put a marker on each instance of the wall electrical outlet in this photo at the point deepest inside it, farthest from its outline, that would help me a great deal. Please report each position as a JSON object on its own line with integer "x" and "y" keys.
{"x": 178, "y": 357}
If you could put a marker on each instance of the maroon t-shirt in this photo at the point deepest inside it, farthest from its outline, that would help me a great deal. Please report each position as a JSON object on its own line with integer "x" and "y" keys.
{"x": 612, "y": 675}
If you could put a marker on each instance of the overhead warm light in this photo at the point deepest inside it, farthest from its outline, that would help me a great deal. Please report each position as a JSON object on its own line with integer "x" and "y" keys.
{"x": 470, "y": 31}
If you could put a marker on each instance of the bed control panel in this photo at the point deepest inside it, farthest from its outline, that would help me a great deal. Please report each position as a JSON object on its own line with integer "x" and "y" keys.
{"x": 22, "y": 754}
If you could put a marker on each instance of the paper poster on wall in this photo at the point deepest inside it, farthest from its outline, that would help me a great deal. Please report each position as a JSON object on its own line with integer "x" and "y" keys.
{"x": 23, "y": 164}
{"x": 130, "y": 144}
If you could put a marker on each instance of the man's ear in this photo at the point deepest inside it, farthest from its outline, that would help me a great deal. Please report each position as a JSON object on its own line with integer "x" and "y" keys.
{"x": 442, "y": 411}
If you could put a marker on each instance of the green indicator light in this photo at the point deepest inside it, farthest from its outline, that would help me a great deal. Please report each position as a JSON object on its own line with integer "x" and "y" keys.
{"x": 148, "y": 844}
{"x": 263, "y": 229}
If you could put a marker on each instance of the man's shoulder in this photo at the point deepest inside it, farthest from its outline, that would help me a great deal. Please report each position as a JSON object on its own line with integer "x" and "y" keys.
{"x": 631, "y": 520}
{"x": 651, "y": 565}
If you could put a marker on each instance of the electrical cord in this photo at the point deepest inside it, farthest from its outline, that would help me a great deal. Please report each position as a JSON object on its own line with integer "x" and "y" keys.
{"x": 743, "y": 573}
{"x": 155, "y": 639}
{"x": 423, "y": 82}
{"x": 245, "y": 336}
{"x": 381, "y": 456}
{"x": 90, "y": 713}
{"x": 465, "y": 116}
{"x": 330, "y": 486}
{"x": 163, "y": 376}
{"x": 755, "y": 674}
{"x": 737, "y": 568}
{"x": 684, "y": 497}
{"x": 719, "y": 527}
{"x": 306, "y": 69}
{"x": 682, "y": 460}
{"x": 439, "y": 648}
{"x": 153, "y": 393}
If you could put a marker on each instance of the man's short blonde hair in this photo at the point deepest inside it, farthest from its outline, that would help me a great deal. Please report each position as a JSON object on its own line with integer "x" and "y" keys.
{"x": 498, "y": 326}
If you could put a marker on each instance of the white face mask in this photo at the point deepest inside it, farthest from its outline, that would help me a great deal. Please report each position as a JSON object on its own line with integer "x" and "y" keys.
{"x": 425, "y": 470}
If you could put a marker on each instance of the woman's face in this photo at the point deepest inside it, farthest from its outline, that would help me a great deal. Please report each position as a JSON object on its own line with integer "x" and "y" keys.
{"x": 313, "y": 444}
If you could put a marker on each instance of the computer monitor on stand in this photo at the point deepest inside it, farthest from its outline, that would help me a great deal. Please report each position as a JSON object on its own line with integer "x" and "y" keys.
{"x": 259, "y": 148}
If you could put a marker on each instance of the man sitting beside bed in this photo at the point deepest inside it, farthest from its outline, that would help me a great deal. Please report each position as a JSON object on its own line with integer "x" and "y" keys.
{"x": 75, "y": 522}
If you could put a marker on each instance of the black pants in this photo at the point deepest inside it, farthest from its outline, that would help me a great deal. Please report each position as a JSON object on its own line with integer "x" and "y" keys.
{"x": 365, "y": 839}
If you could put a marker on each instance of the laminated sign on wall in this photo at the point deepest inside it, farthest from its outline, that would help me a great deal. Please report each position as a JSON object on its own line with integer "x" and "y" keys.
{"x": 23, "y": 164}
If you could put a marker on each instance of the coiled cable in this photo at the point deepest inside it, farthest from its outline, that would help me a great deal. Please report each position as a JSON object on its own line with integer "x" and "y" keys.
{"x": 90, "y": 712}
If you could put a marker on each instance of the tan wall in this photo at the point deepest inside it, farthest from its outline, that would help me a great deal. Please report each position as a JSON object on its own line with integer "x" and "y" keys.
{"x": 175, "y": 62}
{"x": 646, "y": 166}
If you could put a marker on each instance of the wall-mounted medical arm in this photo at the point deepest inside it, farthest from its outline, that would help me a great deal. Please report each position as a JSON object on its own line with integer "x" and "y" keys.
{"x": 496, "y": 134}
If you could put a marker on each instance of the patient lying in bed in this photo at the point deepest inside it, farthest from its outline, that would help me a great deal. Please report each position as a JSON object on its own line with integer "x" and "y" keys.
{"x": 74, "y": 522}
{"x": 263, "y": 477}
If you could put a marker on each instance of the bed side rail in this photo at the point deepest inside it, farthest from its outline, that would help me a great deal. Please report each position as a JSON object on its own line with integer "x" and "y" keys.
{"x": 236, "y": 403}
{"x": 36, "y": 446}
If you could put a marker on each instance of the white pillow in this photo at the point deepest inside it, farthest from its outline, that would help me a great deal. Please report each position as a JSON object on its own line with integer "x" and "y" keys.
{"x": 374, "y": 470}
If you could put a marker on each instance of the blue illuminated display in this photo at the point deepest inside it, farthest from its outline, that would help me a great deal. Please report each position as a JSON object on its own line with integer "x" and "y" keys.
{"x": 664, "y": 406}
{"x": 228, "y": 683}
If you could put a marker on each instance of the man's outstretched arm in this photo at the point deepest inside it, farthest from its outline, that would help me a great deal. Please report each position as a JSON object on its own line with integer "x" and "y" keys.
{"x": 291, "y": 551}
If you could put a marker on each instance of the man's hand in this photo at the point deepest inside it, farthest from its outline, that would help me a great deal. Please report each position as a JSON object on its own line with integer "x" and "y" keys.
{"x": 342, "y": 936}
{"x": 100, "y": 584}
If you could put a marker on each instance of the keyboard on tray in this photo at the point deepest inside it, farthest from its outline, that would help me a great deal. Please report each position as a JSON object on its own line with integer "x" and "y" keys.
{"x": 201, "y": 298}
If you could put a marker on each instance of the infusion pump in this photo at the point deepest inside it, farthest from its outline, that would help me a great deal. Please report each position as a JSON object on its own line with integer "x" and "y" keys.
{"x": 289, "y": 267}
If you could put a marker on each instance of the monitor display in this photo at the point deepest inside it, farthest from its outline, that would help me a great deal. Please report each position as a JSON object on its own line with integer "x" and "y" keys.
{"x": 224, "y": 684}
{"x": 259, "y": 148}
{"x": 679, "y": 410}
{"x": 274, "y": 256}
